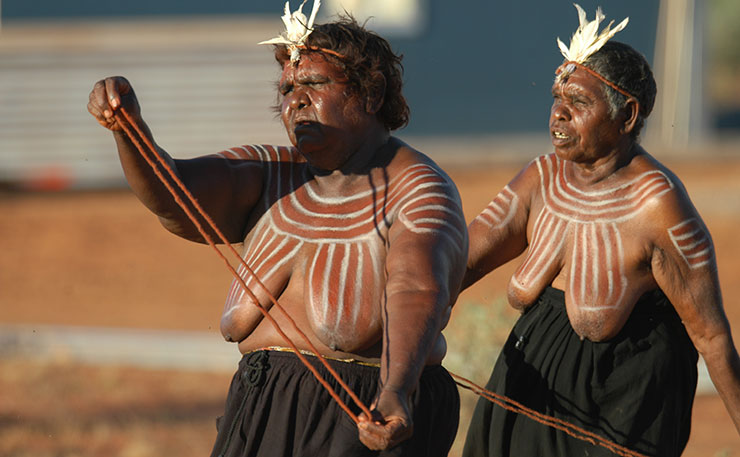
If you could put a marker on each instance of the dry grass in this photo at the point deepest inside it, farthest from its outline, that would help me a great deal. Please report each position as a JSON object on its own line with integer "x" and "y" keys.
{"x": 58, "y": 408}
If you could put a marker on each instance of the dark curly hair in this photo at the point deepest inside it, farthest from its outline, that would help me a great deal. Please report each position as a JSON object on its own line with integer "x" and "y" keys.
{"x": 364, "y": 55}
{"x": 628, "y": 69}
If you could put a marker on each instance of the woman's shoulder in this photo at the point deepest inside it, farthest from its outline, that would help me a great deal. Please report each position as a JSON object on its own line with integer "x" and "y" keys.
{"x": 262, "y": 153}
{"x": 645, "y": 167}
{"x": 667, "y": 202}
{"x": 406, "y": 160}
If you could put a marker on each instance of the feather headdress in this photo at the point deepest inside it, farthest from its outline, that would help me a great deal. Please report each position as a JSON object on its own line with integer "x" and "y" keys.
{"x": 586, "y": 40}
{"x": 297, "y": 29}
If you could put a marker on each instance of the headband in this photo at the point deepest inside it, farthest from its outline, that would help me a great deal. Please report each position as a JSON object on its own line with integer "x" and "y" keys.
{"x": 569, "y": 67}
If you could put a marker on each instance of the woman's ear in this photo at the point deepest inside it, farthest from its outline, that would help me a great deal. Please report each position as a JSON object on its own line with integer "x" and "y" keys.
{"x": 631, "y": 112}
{"x": 376, "y": 98}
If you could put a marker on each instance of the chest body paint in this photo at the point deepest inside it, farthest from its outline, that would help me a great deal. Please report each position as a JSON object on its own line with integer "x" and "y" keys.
{"x": 580, "y": 230}
{"x": 338, "y": 242}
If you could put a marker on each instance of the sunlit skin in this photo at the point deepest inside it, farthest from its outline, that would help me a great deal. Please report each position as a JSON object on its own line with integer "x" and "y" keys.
{"x": 320, "y": 116}
{"x": 604, "y": 221}
{"x": 581, "y": 129}
{"x": 359, "y": 237}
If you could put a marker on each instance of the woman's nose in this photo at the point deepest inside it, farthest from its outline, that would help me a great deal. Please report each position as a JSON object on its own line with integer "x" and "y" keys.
{"x": 299, "y": 100}
{"x": 559, "y": 111}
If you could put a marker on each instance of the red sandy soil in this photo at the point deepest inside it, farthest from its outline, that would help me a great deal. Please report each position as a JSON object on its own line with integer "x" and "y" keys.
{"x": 100, "y": 259}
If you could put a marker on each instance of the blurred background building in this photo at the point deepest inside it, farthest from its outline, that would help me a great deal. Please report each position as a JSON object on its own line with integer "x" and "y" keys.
{"x": 478, "y": 75}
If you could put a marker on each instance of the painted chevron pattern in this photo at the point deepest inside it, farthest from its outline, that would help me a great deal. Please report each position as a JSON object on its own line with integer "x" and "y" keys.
{"x": 501, "y": 209}
{"x": 692, "y": 243}
{"x": 345, "y": 238}
{"x": 591, "y": 220}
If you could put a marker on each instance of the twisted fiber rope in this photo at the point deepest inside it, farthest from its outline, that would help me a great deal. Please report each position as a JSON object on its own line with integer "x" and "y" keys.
{"x": 554, "y": 422}
{"x": 500, "y": 400}
{"x": 146, "y": 155}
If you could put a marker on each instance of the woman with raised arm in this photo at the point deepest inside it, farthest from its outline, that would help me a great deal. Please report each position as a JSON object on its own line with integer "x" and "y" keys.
{"x": 359, "y": 237}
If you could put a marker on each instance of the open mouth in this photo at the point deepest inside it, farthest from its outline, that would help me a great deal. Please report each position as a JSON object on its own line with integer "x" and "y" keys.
{"x": 305, "y": 128}
{"x": 303, "y": 124}
{"x": 560, "y": 135}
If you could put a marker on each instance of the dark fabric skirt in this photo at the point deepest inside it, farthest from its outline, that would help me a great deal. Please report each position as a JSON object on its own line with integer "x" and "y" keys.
{"x": 636, "y": 390}
{"x": 276, "y": 407}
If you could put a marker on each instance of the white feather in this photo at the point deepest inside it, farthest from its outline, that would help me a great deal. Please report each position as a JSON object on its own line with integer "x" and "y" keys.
{"x": 297, "y": 28}
{"x": 586, "y": 40}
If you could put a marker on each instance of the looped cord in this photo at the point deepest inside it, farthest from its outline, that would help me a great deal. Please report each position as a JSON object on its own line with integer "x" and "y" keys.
{"x": 137, "y": 138}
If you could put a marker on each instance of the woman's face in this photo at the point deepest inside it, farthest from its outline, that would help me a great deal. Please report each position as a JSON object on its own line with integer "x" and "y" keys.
{"x": 581, "y": 127}
{"x": 322, "y": 120}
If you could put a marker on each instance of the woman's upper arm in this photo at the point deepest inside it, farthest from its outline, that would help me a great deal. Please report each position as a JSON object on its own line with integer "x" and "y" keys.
{"x": 685, "y": 268}
{"x": 499, "y": 233}
{"x": 225, "y": 189}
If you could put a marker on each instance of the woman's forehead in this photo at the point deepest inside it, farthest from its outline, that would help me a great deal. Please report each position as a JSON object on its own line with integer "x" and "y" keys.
{"x": 311, "y": 64}
{"x": 579, "y": 80}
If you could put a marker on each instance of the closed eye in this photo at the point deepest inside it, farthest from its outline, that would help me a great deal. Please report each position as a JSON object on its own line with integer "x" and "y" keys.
{"x": 314, "y": 82}
{"x": 580, "y": 102}
{"x": 285, "y": 89}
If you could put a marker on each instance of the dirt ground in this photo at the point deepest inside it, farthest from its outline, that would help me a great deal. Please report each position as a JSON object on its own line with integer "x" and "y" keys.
{"x": 100, "y": 259}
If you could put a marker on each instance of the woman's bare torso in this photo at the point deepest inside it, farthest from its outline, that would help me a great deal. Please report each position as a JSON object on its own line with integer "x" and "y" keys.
{"x": 322, "y": 255}
{"x": 590, "y": 242}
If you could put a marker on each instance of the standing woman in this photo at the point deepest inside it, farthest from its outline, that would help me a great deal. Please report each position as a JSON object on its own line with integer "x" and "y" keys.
{"x": 359, "y": 236}
{"x": 619, "y": 287}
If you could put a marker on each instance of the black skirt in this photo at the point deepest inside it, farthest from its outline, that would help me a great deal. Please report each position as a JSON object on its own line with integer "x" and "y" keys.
{"x": 636, "y": 389}
{"x": 276, "y": 407}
